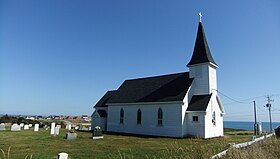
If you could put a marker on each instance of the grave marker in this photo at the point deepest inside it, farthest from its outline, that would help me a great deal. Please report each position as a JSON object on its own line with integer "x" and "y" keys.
{"x": 56, "y": 131}
{"x": 36, "y": 128}
{"x": 25, "y": 127}
{"x": 15, "y": 127}
{"x": 2, "y": 126}
{"x": 62, "y": 155}
{"x": 52, "y": 128}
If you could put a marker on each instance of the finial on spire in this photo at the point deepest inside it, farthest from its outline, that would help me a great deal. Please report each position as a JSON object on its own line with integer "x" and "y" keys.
{"x": 200, "y": 16}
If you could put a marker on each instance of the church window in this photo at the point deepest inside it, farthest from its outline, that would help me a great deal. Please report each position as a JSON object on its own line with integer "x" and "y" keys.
{"x": 121, "y": 116}
{"x": 214, "y": 118}
{"x": 160, "y": 116}
{"x": 139, "y": 117}
{"x": 195, "y": 118}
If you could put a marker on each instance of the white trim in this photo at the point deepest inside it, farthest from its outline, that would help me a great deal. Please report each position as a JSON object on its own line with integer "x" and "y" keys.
{"x": 212, "y": 64}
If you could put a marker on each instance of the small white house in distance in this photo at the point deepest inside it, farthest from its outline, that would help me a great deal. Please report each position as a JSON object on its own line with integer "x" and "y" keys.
{"x": 174, "y": 105}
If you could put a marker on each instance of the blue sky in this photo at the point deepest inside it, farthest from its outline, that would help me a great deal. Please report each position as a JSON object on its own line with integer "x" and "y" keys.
{"x": 60, "y": 57}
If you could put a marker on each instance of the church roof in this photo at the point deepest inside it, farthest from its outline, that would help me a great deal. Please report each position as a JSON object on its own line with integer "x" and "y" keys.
{"x": 201, "y": 52}
{"x": 199, "y": 102}
{"x": 102, "y": 102}
{"x": 171, "y": 87}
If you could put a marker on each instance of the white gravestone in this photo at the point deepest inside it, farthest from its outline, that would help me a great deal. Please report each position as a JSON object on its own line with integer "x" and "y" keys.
{"x": 21, "y": 125}
{"x": 36, "y": 128}
{"x": 62, "y": 155}
{"x": 68, "y": 126}
{"x": 15, "y": 127}
{"x": 59, "y": 126}
{"x": 52, "y": 128}
{"x": 30, "y": 125}
{"x": 56, "y": 131}
{"x": 25, "y": 127}
{"x": 2, "y": 126}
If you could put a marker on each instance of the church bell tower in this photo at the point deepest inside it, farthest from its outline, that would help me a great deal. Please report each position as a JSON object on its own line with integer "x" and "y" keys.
{"x": 202, "y": 65}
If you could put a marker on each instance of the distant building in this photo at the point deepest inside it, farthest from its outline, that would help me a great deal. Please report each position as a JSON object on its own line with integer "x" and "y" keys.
{"x": 175, "y": 105}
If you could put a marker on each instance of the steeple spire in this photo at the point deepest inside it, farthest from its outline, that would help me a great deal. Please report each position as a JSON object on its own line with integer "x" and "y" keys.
{"x": 201, "y": 52}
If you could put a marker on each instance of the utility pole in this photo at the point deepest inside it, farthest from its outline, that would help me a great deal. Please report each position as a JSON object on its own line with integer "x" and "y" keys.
{"x": 255, "y": 113}
{"x": 268, "y": 105}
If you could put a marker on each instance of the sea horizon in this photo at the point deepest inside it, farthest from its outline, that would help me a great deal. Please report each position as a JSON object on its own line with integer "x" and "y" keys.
{"x": 249, "y": 125}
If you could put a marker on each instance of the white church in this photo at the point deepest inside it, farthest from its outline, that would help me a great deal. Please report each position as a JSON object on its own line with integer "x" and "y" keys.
{"x": 180, "y": 105}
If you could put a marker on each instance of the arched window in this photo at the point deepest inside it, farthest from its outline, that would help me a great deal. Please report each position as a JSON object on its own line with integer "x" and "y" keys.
{"x": 121, "y": 116}
{"x": 139, "y": 117}
{"x": 214, "y": 118}
{"x": 160, "y": 116}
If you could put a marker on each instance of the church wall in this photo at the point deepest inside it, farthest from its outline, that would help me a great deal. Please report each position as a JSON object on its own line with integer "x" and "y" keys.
{"x": 201, "y": 83}
{"x": 195, "y": 128}
{"x": 99, "y": 121}
{"x": 213, "y": 128}
{"x": 172, "y": 119}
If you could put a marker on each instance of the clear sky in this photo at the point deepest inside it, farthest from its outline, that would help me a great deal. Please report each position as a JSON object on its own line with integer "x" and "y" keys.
{"x": 60, "y": 57}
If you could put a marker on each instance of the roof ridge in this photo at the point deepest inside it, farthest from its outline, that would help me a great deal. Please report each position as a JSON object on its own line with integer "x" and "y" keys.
{"x": 158, "y": 76}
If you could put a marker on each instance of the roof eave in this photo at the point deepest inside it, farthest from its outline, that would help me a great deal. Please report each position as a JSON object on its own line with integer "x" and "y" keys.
{"x": 145, "y": 103}
{"x": 197, "y": 64}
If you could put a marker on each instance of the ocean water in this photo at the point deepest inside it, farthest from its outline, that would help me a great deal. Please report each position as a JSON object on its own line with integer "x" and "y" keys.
{"x": 249, "y": 125}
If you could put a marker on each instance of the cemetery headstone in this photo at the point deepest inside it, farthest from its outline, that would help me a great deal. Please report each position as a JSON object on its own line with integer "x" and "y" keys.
{"x": 62, "y": 155}
{"x": 59, "y": 126}
{"x": 56, "y": 131}
{"x": 25, "y": 127}
{"x": 15, "y": 127}
{"x": 30, "y": 125}
{"x": 2, "y": 126}
{"x": 68, "y": 126}
{"x": 21, "y": 125}
{"x": 71, "y": 136}
{"x": 97, "y": 133}
{"x": 36, "y": 128}
{"x": 52, "y": 128}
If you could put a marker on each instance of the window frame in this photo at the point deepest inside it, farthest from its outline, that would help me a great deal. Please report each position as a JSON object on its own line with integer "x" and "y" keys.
{"x": 121, "y": 116}
{"x": 195, "y": 118}
{"x": 160, "y": 117}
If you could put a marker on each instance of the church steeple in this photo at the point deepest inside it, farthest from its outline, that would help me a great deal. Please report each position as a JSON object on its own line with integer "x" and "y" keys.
{"x": 201, "y": 52}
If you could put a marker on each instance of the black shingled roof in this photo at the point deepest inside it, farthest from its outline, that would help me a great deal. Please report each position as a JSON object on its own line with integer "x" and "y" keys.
{"x": 201, "y": 52}
{"x": 102, "y": 102}
{"x": 199, "y": 102}
{"x": 172, "y": 87}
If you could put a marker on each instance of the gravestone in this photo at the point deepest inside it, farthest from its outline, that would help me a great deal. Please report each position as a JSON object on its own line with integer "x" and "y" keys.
{"x": 56, "y": 131}
{"x": 97, "y": 133}
{"x": 36, "y": 128}
{"x": 15, "y": 127}
{"x": 52, "y": 128}
{"x": 62, "y": 155}
{"x": 68, "y": 126}
{"x": 21, "y": 125}
{"x": 71, "y": 136}
{"x": 30, "y": 125}
{"x": 2, "y": 126}
{"x": 59, "y": 126}
{"x": 25, "y": 127}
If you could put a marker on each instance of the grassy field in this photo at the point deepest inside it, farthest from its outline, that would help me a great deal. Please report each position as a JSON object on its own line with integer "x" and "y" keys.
{"x": 43, "y": 146}
{"x": 269, "y": 149}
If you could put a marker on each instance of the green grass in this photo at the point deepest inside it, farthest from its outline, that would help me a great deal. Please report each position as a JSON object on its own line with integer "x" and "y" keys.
{"x": 43, "y": 146}
{"x": 269, "y": 149}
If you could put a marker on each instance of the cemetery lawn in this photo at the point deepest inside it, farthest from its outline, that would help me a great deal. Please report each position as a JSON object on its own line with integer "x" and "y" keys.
{"x": 43, "y": 146}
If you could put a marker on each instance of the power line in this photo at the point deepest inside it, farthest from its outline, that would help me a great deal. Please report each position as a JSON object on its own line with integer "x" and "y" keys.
{"x": 231, "y": 98}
